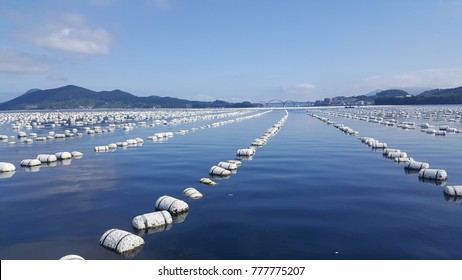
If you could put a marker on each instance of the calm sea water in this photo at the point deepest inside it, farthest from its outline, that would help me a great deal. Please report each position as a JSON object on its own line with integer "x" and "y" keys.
{"x": 312, "y": 192}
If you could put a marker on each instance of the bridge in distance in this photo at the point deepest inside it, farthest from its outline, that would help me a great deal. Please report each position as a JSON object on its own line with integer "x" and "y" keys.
{"x": 280, "y": 103}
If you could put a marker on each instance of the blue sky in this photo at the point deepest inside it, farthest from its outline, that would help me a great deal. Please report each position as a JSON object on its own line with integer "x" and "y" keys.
{"x": 233, "y": 50}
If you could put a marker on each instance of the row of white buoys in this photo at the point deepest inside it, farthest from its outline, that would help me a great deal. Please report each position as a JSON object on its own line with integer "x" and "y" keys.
{"x": 435, "y": 175}
{"x": 155, "y": 137}
{"x": 128, "y": 244}
{"x": 168, "y": 210}
{"x": 36, "y": 120}
{"x": 341, "y": 127}
{"x": 425, "y": 174}
{"x": 124, "y": 144}
{"x": 373, "y": 143}
{"x": 385, "y": 116}
{"x": 440, "y": 131}
{"x": 33, "y": 165}
{"x": 225, "y": 169}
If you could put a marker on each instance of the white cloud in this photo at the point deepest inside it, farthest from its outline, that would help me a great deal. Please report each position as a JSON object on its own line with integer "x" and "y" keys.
{"x": 71, "y": 34}
{"x": 428, "y": 78}
{"x": 15, "y": 62}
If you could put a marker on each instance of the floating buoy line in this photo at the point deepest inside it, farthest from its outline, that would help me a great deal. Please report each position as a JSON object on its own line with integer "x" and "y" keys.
{"x": 170, "y": 210}
{"x": 411, "y": 166}
{"x": 52, "y": 120}
{"x": 387, "y": 117}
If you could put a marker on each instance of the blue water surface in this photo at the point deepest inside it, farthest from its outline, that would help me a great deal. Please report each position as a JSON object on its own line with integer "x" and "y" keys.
{"x": 312, "y": 192}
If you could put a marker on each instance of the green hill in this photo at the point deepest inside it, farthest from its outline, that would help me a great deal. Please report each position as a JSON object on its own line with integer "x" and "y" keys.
{"x": 74, "y": 97}
{"x": 434, "y": 96}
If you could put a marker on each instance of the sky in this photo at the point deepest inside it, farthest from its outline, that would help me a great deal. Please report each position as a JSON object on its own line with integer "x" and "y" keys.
{"x": 232, "y": 50}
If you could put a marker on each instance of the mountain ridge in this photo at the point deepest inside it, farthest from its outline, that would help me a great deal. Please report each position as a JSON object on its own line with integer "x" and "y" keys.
{"x": 76, "y": 97}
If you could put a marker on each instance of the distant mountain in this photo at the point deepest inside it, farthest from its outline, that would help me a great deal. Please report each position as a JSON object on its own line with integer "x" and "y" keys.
{"x": 392, "y": 93}
{"x": 74, "y": 97}
{"x": 373, "y": 93}
{"x": 434, "y": 96}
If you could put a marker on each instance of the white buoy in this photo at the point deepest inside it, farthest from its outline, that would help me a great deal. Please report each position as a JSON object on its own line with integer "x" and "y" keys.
{"x": 132, "y": 142}
{"x": 112, "y": 146}
{"x": 7, "y": 167}
{"x": 245, "y": 152}
{"x": 44, "y": 158}
{"x": 388, "y": 150}
{"x": 218, "y": 171}
{"x": 397, "y": 155}
{"x": 63, "y": 155}
{"x": 207, "y": 181}
{"x": 192, "y": 193}
{"x": 76, "y": 154}
{"x": 152, "y": 220}
{"x": 122, "y": 144}
{"x": 401, "y": 160}
{"x": 22, "y": 134}
{"x": 30, "y": 162}
{"x": 121, "y": 241}
{"x": 417, "y": 165}
{"x": 378, "y": 145}
{"x": 227, "y": 165}
{"x": 453, "y": 190}
{"x": 425, "y": 125}
{"x": 434, "y": 174}
{"x": 171, "y": 204}
{"x": 72, "y": 258}
{"x": 101, "y": 148}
